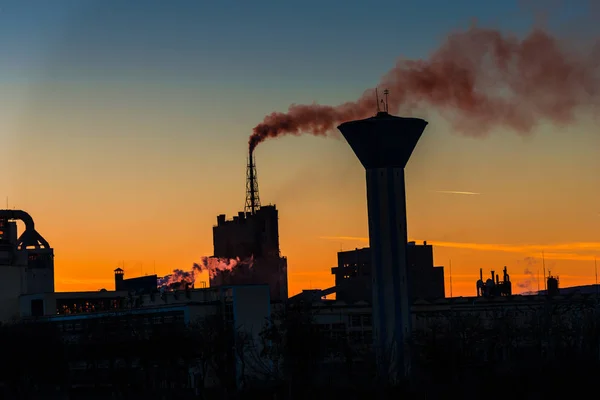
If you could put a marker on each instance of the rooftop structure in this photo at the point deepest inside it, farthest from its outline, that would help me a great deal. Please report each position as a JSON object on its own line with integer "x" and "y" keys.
{"x": 353, "y": 275}
{"x": 26, "y": 261}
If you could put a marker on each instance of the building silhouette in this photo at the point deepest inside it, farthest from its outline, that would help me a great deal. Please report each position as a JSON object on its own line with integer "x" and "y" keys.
{"x": 353, "y": 275}
{"x": 26, "y": 262}
{"x": 253, "y": 234}
{"x": 140, "y": 284}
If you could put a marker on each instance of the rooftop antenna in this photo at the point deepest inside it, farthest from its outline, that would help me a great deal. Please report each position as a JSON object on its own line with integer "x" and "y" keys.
{"x": 252, "y": 198}
{"x": 386, "y": 92}
{"x": 538, "y": 279}
{"x": 544, "y": 266}
{"x": 450, "y": 278}
{"x": 377, "y": 100}
{"x": 596, "y": 271}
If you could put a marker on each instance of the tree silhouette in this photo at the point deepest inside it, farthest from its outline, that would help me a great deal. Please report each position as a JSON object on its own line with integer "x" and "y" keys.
{"x": 293, "y": 341}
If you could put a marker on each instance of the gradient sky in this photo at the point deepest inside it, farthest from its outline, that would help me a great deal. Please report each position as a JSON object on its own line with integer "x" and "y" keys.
{"x": 124, "y": 127}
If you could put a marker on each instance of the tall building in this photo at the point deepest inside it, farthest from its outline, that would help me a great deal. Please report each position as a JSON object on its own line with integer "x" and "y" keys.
{"x": 253, "y": 233}
{"x": 353, "y": 277}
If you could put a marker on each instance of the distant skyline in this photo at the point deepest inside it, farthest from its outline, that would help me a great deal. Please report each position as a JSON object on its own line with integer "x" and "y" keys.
{"x": 126, "y": 127}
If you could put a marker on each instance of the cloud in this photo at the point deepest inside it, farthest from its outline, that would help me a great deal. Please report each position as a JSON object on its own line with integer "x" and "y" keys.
{"x": 457, "y": 192}
{"x": 559, "y": 251}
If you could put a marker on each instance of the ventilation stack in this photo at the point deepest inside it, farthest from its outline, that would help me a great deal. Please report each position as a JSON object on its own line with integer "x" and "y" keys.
{"x": 384, "y": 144}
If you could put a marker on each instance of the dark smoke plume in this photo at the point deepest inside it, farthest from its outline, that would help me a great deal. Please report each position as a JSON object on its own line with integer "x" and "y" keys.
{"x": 479, "y": 79}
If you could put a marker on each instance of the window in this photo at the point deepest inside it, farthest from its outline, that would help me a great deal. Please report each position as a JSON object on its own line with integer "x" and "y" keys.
{"x": 37, "y": 308}
{"x": 229, "y": 311}
{"x": 339, "y": 327}
{"x": 355, "y": 320}
{"x": 356, "y": 336}
{"x": 336, "y": 335}
{"x": 367, "y": 320}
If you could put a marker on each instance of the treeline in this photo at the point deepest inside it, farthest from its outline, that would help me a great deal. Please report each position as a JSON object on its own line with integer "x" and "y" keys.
{"x": 112, "y": 359}
{"x": 457, "y": 355}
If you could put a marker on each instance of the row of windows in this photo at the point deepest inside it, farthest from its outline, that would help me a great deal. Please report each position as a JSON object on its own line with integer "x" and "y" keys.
{"x": 332, "y": 327}
{"x": 65, "y": 307}
{"x": 358, "y": 320}
{"x": 355, "y": 337}
{"x": 124, "y": 321}
{"x": 361, "y": 337}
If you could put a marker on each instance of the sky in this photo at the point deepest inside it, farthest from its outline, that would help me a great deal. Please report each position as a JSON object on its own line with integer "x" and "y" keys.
{"x": 124, "y": 127}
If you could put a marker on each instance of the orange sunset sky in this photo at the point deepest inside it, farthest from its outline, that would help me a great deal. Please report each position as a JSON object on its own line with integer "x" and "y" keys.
{"x": 125, "y": 134}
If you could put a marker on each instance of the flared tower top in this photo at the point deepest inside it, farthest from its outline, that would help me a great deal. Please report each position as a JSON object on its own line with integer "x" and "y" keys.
{"x": 383, "y": 141}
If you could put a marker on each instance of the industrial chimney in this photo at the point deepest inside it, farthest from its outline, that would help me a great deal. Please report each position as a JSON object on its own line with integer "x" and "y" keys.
{"x": 384, "y": 144}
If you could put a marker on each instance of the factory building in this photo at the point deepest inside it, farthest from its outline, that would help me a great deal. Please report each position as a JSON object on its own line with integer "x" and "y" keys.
{"x": 244, "y": 309}
{"x": 354, "y": 321}
{"x": 27, "y": 294}
{"x": 493, "y": 286}
{"x": 353, "y": 277}
{"x": 252, "y": 234}
{"x": 86, "y": 304}
{"x": 26, "y": 262}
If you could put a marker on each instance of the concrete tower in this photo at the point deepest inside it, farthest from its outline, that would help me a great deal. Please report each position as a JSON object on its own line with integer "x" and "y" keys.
{"x": 383, "y": 144}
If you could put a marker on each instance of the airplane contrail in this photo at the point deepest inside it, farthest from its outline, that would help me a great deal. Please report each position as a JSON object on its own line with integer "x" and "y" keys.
{"x": 457, "y": 192}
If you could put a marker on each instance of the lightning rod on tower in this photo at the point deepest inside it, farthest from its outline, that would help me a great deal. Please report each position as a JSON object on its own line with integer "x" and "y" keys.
{"x": 386, "y": 93}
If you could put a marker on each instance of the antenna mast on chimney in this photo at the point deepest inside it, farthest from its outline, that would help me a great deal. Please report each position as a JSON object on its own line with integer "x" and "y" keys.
{"x": 252, "y": 198}
{"x": 386, "y": 93}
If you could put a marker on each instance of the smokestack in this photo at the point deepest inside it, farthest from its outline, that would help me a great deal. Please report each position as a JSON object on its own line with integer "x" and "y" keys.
{"x": 384, "y": 144}
{"x": 252, "y": 198}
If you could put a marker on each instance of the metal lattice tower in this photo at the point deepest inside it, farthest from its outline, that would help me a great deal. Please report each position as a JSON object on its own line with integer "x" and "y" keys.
{"x": 252, "y": 197}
